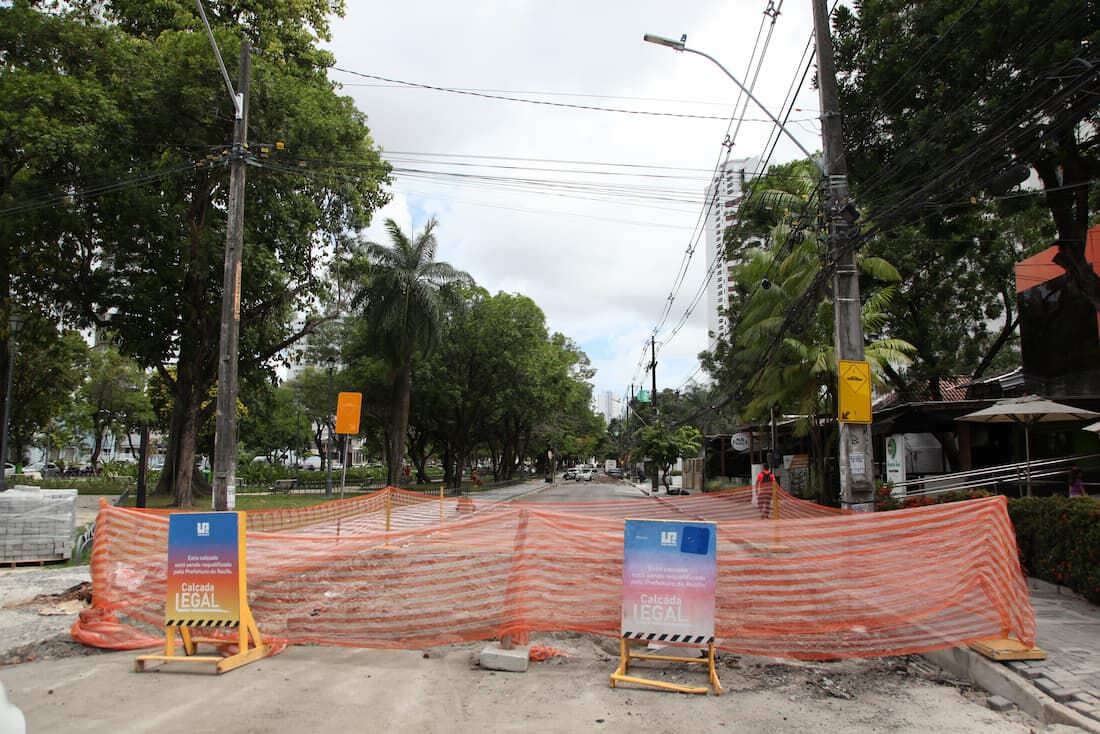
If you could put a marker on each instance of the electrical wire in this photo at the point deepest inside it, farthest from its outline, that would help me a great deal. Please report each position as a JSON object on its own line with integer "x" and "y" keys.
{"x": 504, "y": 98}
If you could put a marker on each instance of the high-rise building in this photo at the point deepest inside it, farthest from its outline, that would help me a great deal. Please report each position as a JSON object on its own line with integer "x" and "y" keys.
{"x": 724, "y": 195}
{"x": 607, "y": 405}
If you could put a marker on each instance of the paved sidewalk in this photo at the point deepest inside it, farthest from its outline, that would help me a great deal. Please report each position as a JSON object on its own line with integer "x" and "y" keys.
{"x": 1069, "y": 632}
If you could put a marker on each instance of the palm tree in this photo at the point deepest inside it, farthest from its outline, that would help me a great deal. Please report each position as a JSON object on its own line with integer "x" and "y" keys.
{"x": 403, "y": 296}
{"x": 792, "y": 364}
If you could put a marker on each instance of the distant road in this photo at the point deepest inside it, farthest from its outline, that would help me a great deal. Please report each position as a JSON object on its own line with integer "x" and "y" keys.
{"x": 602, "y": 489}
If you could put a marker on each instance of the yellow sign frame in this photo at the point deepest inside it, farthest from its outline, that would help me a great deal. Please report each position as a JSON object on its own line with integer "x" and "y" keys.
{"x": 622, "y": 673}
{"x": 854, "y": 391}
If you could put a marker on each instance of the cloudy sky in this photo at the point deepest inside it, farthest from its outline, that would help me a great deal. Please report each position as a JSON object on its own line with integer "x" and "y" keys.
{"x": 589, "y": 213}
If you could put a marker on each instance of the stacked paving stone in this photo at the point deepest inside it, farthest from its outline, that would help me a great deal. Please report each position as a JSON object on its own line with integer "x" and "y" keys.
{"x": 36, "y": 524}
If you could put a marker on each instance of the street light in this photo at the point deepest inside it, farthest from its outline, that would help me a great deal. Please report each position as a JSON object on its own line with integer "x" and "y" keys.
{"x": 15, "y": 323}
{"x": 328, "y": 442}
{"x": 681, "y": 45}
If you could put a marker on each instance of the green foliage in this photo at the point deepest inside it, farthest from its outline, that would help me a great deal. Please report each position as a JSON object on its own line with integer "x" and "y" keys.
{"x": 500, "y": 384}
{"x": 275, "y": 423}
{"x": 664, "y": 445}
{"x": 1059, "y": 540}
{"x": 403, "y": 293}
{"x": 113, "y": 397}
{"x": 49, "y": 367}
{"x": 109, "y": 94}
{"x": 940, "y": 97}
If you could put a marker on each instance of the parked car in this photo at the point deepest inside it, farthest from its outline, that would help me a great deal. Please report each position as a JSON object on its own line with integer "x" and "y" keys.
{"x": 585, "y": 474}
{"x": 570, "y": 473}
{"x": 677, "y": 490}
{"x": 9, "y": 469}
{"x": 46, "y": 469}
{"x": 311, "y": 462}
{"x": 615, "y": 473}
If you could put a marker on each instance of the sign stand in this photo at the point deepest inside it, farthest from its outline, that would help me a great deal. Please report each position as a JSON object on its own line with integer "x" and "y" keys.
{"x": 621, "y": 674}
{"x": 207, "y": 587}
{"x": 669, "y": 577}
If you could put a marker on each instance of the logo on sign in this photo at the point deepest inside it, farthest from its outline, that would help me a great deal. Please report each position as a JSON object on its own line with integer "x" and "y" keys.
{"x": 202, "y": 529}
{"x": 739, "y": 442}
{"x": 668, "y": 538}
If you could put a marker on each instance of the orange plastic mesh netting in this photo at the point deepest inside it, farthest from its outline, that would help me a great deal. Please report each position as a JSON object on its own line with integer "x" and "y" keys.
{"x": 815, "y": 583}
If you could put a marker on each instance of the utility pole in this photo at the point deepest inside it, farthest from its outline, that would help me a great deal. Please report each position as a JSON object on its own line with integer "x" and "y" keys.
{"x": 653, "y": 401}
{"x": 856, "y": 490}
{"x": 225, "y": 437}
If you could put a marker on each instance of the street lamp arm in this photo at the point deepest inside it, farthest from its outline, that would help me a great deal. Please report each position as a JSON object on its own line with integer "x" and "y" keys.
{"x": 681, "y": 46}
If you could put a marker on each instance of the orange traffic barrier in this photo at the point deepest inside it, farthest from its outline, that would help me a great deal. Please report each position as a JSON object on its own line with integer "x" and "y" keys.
{"x": 814, "y": 583}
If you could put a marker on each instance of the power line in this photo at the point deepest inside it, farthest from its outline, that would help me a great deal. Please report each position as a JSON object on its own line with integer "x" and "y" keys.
{"x": 504, "y": 98}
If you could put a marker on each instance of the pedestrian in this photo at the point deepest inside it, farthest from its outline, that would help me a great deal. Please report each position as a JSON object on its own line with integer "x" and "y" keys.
{"x": 668, "y": 481}
{"x": 765, "y": 475}
{"x": 1076, "y": 482}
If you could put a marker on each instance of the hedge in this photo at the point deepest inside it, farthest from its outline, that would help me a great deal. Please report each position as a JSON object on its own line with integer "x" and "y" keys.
{"x": 1059, "y": 540}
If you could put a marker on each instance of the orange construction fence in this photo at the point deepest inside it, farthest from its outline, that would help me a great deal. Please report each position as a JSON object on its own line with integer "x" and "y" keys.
{"x": 812, "y": 583}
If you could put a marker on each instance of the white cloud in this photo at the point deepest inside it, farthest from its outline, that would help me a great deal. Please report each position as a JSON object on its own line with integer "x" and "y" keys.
{"x": 601, "y": 266}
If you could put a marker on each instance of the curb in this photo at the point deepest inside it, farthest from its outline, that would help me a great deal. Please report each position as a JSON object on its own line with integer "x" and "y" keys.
{"x": 996, "y": 679}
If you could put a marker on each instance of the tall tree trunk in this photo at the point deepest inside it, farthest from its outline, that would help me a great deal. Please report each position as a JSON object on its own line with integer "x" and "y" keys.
{"x": 178, "y": 475}
{"x": 448, "y": 467}
{"x": 399, "y": 420}
{"x": 97, "y": 446}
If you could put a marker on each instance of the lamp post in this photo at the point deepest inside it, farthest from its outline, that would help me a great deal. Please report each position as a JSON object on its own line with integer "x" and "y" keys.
{"x": 328, "y": 442}
{"x": 681, "y": 45}
{"x": 15, "y": 323}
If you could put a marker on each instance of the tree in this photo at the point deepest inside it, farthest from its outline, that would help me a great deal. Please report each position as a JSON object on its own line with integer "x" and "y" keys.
{"x": 56, "y": 112}
{"x": 403, "y": 299}
{"x": 49, "y": 367}
{"x": 944, "y": 101}
{"x": 664, "y": 445}
{"x": 149, "y": 251}
{"x": 275, "y": 424}
{"x": 113, "y": 397}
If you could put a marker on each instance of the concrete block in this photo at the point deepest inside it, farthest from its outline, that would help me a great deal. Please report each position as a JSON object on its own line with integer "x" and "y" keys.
{"x": 1054, "y": 690}
{"x": 1084, "y": 708}
{"x": 999, "y": 703}
{"x": 512, "y": 661}
{"x": 1033, "y": 672}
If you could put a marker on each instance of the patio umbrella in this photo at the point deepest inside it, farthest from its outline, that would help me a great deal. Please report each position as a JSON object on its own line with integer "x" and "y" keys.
{"x": 1094, "y": 427}
{"x": 1028, "y": 411}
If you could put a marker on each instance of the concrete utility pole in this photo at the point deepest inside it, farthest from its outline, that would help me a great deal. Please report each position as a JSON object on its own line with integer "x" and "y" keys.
{"x": 653, "y": 401}
{"x": 856, "y": 489}
{"x": 225, "y": 437}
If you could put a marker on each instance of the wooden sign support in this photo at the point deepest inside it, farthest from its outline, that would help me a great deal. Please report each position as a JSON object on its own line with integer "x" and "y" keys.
{"x": 622, "y": 673}
{"x": 249, "y": 644}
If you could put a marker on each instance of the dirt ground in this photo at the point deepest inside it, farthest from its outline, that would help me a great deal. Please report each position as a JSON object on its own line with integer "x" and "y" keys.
{"x": 445, "y": 690}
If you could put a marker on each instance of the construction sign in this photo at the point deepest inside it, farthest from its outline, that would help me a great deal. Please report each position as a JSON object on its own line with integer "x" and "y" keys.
{"x": 348, "y": 406}
{"x": 204, "y": 569}
{"x": 206, "y": 586}
{"x": 854, "y": 392}
{"x": 669, "y": 573}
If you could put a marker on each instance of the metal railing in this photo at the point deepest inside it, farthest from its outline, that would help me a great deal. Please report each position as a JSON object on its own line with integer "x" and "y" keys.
{"x": 1001, "y": 479}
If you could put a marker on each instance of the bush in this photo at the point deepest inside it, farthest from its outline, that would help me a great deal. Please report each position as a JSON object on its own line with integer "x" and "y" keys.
{"x": 1059, "y": 541}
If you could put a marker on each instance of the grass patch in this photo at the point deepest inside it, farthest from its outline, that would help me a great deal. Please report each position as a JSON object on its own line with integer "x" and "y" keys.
{"x": 244, "y": 501}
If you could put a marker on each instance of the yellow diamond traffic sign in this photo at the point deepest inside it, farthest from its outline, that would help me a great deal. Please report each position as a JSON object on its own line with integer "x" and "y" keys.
{"x": 854, "y": 392}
